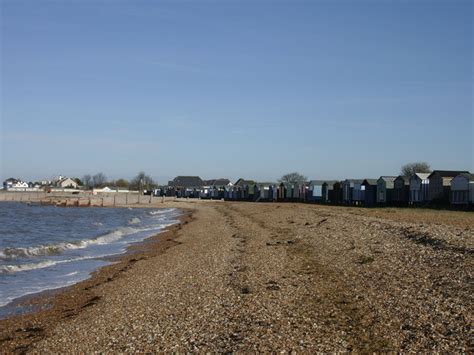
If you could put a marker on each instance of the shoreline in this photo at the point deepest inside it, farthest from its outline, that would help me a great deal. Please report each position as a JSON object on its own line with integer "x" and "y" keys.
{"x": 46, "y": 309}
{"x": 271, "y": 277}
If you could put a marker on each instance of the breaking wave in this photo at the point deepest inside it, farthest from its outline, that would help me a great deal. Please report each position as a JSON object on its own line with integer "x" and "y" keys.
{"x": 163, "y": 211}
{"x": 40, "y": 265}
{"x": 134, "y": 220}
{"x": 56, "y": 249}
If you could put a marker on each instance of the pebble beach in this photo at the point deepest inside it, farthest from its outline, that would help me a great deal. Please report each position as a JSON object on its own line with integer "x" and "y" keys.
{"x": 241, "y": 277}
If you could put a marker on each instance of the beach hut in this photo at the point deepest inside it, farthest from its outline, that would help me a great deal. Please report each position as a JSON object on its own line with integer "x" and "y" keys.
{"x": 315, "y": 190}
{"x": 273, "y": 193}
{"x": 418, "y": 188}
{"x": 336, "y": 195}
{"x": 265, "y": 191}
{"x": 281, "y": 195}
{"x": 369, "y": 186}
{"x": 327, "y": 191}
{"x": 462, "y": 189}
{"x": 348, "y": 187}
{"x": 401, "y": 186}
{"x": 440, "y": 184}
{"x": 385, "y": 189}
{"x": 296, "y": 192}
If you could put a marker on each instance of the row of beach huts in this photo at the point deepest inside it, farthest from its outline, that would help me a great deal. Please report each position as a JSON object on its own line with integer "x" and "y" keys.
{"x": 440, "y": 187}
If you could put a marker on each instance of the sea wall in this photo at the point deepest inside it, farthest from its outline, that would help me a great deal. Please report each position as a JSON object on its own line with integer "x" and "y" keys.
{"x": 81, "y": 199}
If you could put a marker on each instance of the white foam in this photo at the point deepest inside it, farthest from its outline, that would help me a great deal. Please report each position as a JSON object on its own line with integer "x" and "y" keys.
{"x": 43, "y": 264}
{"x": 134, "y": 220}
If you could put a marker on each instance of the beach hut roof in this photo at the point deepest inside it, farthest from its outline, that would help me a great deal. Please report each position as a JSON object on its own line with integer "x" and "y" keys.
{"x": 243, "y": 182}
{"x": 186, "y": 181}
{"x": 217, "y": 182}
{"x": 468, "y": 176}
{"x": 448, "y": 173}
{"x": 423, "y": 176}
{"x": 370, "y": 181}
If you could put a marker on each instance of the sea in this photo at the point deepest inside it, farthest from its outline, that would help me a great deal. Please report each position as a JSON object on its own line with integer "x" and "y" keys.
{"x": 48, "y": 247}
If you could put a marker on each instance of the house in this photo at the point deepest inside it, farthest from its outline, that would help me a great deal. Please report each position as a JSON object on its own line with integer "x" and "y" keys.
{"x": 418, "y": 190}
{"x": 327, "y": 191}
{"x": 401, "y": 186}
{"x": 462, "y": 189}
{"x": 440, "y": 184}
{"x": 348, "y": 187}
{"x": 15, "y": 184}
{"x": 369, "y": 188}
{"x": 385, "y": 186}
{"x": 66, "y": 183}
{"x": 186, "y": 182}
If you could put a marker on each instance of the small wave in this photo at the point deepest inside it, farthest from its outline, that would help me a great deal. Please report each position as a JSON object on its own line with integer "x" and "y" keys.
{"x": 72, "y": 273}
{"x": 163, "y": 211}
{"x": 134, "y": 220}
{"x": 42, "y": 250}
{"x": 56, "y": 249}
{"x": 44, "y": 264}
{"x": 25, "y": 267}
{"x": 97, "y": 224}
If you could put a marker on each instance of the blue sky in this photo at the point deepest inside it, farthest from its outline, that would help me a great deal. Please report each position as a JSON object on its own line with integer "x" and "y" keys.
{"x": 332, "y": 89}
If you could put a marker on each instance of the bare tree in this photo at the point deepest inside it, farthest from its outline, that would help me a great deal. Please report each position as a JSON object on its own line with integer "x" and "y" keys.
{"x": 87, "y": 180}
{"x": 99, "y": 179}
{"x": 293, "y": 178}
{"x": 416, "y": 167}
{"x": 142, "y": 182}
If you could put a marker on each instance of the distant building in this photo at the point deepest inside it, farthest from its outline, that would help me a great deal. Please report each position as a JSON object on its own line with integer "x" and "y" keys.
{"x": 440, "y": 184}
{"x": 243, "y": 182}
{"x": 419, "y": 185}
{"x": 315, "y": 190}
{"x": 15, "y": 184}
{"x": 110, "y": 189}
{"x": 462, "y": 189}
{"x": 328, "y": 191}
{"x": 385, "y": 185}
{"x": 186, "y": 182}
{"x": 401, "y": 190}
{"x": 351, "y": 187}
{"x": 66, "y": 183}
{"x": 217, "y": 182}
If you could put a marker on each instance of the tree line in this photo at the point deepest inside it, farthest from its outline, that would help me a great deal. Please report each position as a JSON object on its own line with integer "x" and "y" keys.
{"x": 140, "y": 182}
{"x": 406, "y": 170}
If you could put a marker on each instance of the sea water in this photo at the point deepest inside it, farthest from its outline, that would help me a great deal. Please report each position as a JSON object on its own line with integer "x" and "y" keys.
{"x": 48, "y": 247}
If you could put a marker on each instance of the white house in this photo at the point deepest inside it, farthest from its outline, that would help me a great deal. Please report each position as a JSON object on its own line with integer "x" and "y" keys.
{"x": 67, "y": 183}
{"x": 112, "y": 189}
{"x": 462, "y": 189}
{"x": 15, "y": 185}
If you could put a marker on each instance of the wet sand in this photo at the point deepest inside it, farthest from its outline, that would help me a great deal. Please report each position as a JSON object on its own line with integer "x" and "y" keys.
{"x": 272, "y": 277}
